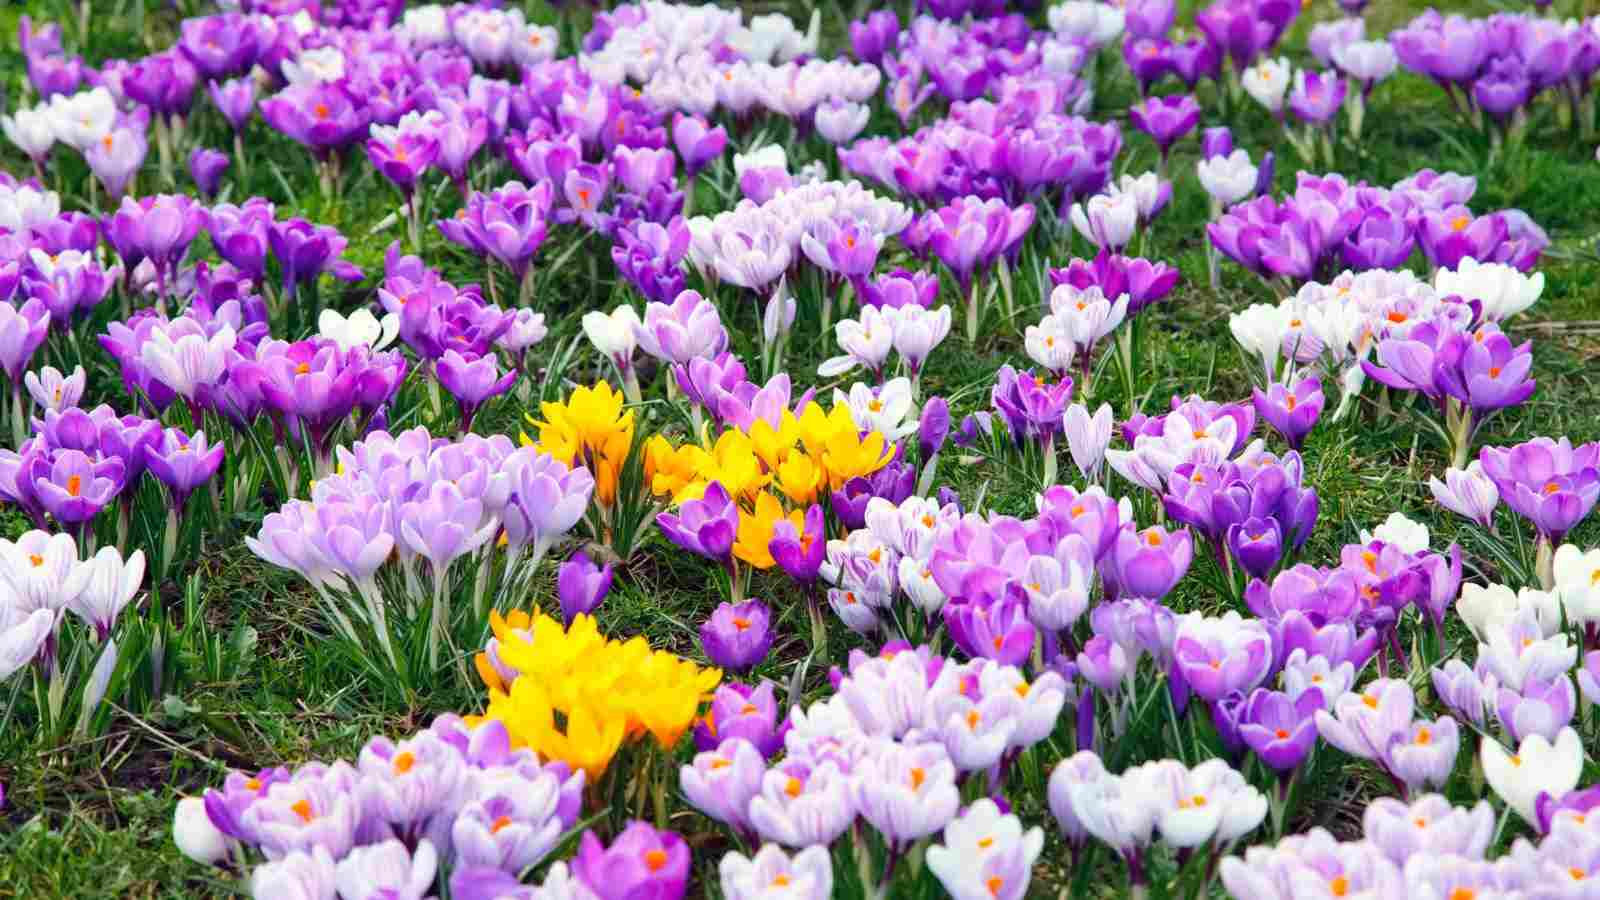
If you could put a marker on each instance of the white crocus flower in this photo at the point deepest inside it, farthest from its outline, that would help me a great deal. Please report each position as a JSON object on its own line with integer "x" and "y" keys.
{"x": 1538, "y": 766}
{"x": 361, "y": 328}
{"x": 1503, "y": 290}
{"x": 1268, "y": 81}
{"x": 1228, "y": 179}
{"x": 886, "y": 410}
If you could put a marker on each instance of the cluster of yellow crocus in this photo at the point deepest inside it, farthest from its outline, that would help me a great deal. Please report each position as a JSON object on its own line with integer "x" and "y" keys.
{"x": 590, "y": 429}
{"x": 797, "y": 461}
{"x": 579, "y": 695}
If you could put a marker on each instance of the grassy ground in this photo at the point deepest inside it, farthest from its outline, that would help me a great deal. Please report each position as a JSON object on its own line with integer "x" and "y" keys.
{"x": 91, "y": 820}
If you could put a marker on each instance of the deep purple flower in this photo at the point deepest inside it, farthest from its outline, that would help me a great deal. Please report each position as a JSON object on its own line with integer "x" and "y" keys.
{"x": 206, "y": 167}
{"x": 1166, "y": 119}
{"x": 737, "y": 636}
{"x": 305, "y": 251}
{"x": 582, "y": 585}
{"x": 1256, "y": 544}
{"x": 875, "y": 35}
{"x": 1452, "y": 233}
{"x": 1032, "y": 409}
{"x": 183, "y": 463}
{"x": 998, "y": 630}
{"x": 933, "y": 427}
{"x": 800, "y": 553}
{"x": 697, "y": 142}
{"x": 164, "y": 81}
{"x": 894, "y": 482}
{"x": 321, "y": 115}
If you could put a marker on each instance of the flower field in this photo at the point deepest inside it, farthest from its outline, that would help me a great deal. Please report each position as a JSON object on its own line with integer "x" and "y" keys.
{"x": 971, "y": 448}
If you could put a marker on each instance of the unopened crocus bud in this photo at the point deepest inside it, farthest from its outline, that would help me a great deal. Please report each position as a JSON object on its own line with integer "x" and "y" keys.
{"x": 934, "y": 427}
{"x": 195, "y": 835}
{"x": 582, "y": 585}
{"x": 1215, "y": 142}
{"x": 1264, "y": 173}
{"x": 738, "y": 635}
{"x": 206, "y": 167}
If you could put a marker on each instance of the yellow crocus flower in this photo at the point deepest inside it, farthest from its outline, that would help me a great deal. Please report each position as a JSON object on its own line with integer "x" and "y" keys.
{"x": 756, "y": 527}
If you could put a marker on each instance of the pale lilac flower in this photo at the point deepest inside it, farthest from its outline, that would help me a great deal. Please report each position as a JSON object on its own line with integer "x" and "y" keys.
{"x": 53, "y": 391}
{"x": 986, "y": 854}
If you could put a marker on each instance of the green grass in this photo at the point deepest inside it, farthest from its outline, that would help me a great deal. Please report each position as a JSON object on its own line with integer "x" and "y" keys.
{"x": 91, "y": 820}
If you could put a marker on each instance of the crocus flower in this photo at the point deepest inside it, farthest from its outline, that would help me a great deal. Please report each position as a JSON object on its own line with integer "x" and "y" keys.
{"x": 721, "y": 782}
{"x": 1218, "y": 656}
{"x": 682, "y": 330}
{"x": 206, "y": 167}
{"x": 808, "y": 875}
{"x": 1552, "y": 484}
{"x": 1151, "y": 562}
{"x": 640, "y": 862}
{"x": 706, "y": 526}
{"x": 235, "y": 99}
{"x": 581, "y": 585}
{"x": 1539, "y": 766}
{"x": 985, "y": 852}
{"x": 1166, "y": 119}
{"x": 749, "y": 714}
{"x": 1292, "y": 412}
{"x": 472, "y": 380}
{"x": 1107, "y": 220}
{"x": 116, "y": 158}
{"x": 697, "y": 142}
{"x": 1279, "y": 729}
{"x": 737, "y": 635}
{"x": 53, "y": 391}
{"x": 183, "y": 463}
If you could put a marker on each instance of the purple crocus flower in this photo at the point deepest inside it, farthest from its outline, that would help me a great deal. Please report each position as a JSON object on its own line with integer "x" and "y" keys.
{"x": 894, "y": 483}
{"x": 183, "y": 463}
{"x": 322, "y": 116}
{"x": 74, "y": 488}
{"x": 1279, "y": 729}
{"x": 800, "y": 553}
{"x": 220, "y": 45}
{"x": 581, "y": 585}
{"x": 235, "y": 99}
{"x": 164, "y": 81}
{"x": 651, "y": 254}
{"x": 1504, "y": 89}
{"x": 158, "y": 228}
{"x": 1166, "y": 119}
{"x": 402, "y": 156}
{"x": 1256, "y": 544}
{"x": 1317, "y": 96}
{"x": 678, "y": 332}
{"x": 472, "y": 380}
{"x": 997, "y": 630}
{"x": 1293, "y": 412}
{"x": 641, "y": 862}
{"x": 706, "y": 526}
{"x": 1032, "y": 409}
{"x": 1452, "y": 234}
{"x": 740, "y": 711}
{"x": 22, "y": 329}
{"x": 697, "y": 142}
{"x": 1542, "y": 707}
{"x": 206, "y": 167}
{"x": 1551, "y": 483}
{"x": 706, "y": 381}
{"x": 1150, "y": 563}
{"x": 1383, "y": 240}
{"x": 305, "y": 251}
{"x": 737, "y": 636}
{"x": 1218, "y": 656}
{"x": 875, "y": 35}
